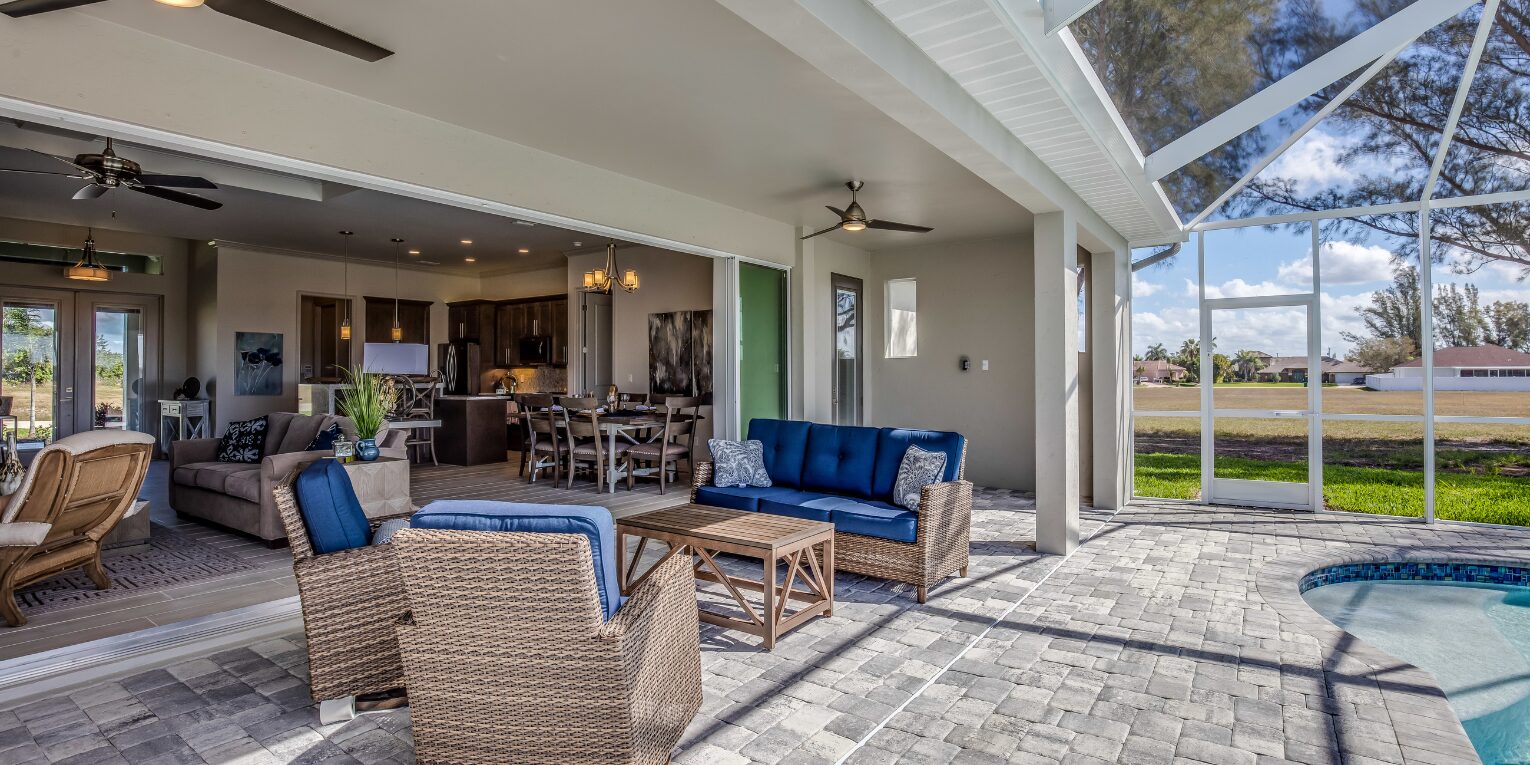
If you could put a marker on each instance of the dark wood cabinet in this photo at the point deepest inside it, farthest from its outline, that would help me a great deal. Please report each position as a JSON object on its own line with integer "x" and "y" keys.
{"x": 413, "y": 319}
{"x": 499, "y": 326}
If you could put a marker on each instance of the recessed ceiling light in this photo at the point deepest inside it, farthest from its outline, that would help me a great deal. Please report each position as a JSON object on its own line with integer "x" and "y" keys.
{"x": 578, "y": 244}
{"x": 523, "y": 250}
{"x": 181, "y": 3}
{"x": 471, "y": 260}
{"x": 467, "y": 241}
{"x": 213, "y": 243}
{"x": 414, "y": 252}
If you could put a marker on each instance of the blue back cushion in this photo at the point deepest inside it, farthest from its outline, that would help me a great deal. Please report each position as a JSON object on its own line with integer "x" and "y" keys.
{"x": 483, "y": 515}
{"x": 893, "y": 442}
{"x": 785, "y": 444}
{"x": 330, "y": 509}
{"x": 840, "y": 459}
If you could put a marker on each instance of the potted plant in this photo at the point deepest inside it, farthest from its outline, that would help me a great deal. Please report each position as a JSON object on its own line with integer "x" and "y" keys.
{"x": 368, "y": 401}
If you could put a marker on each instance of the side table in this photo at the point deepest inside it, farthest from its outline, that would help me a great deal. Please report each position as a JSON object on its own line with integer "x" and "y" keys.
{"x": 381, "y": 485}
{"x": 180, "y": 419}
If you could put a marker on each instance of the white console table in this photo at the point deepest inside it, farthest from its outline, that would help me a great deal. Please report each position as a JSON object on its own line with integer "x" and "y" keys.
{"x": 183, "y": 419}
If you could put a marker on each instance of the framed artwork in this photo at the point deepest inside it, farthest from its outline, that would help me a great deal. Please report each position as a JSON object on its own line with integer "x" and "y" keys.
{"x": 669, "y": 353}
{"x": 257, "y": 363}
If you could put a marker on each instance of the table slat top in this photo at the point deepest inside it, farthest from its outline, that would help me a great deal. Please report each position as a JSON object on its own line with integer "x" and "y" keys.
{"x": 719, "y": 524}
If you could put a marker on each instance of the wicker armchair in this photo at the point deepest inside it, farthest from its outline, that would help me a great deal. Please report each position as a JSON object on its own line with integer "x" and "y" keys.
{"x": 350, "y": 601}
{"x": 509, "y": 659}
{"x": 939, "y": 549}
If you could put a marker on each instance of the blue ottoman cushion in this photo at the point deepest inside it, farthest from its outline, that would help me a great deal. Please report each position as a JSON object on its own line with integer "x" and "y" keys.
{"x": 330, "y": 509}
{"x": 483, "y": 515}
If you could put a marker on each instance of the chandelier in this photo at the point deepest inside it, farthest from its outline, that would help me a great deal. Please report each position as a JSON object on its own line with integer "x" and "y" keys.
{"x": 602, "y": 279}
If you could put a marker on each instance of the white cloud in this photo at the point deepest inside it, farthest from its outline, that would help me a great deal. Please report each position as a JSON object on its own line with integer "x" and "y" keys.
{"x": 1241, "y": 288}
{"x": 1313, "y": 163}
{"x": 1142, "y": 289}
{"x": 1343, "y": 263}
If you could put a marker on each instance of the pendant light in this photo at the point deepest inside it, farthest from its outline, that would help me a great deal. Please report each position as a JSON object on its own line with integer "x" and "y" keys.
{"x": 345, "y": 326}
{"x": 398, "y": 331}
{"x": 88, "y": 269}
{"x": 601, "y": 279}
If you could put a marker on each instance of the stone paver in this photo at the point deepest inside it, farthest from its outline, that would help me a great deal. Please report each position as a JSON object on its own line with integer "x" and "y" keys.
{"x": 1164, "y": 639}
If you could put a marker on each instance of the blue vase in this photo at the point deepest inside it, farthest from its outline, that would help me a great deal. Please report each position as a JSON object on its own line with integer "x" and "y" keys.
{"x": 366, "y": 449}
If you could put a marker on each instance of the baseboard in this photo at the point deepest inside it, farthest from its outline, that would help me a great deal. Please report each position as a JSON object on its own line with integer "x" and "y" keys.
{"x": 49, "y": 673}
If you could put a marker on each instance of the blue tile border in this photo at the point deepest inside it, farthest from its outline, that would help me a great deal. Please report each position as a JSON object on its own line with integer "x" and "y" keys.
{"x": 1418, "y": 571}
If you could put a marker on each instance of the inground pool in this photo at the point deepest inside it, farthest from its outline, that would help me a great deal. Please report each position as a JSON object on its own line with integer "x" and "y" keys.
{"x": 1467, "y": 624}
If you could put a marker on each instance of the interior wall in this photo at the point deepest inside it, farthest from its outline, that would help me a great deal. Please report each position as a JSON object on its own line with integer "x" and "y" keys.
{"x": 257, "y": 291}
{"x": 508, "y": 286}
{"x": 974, "y": 300}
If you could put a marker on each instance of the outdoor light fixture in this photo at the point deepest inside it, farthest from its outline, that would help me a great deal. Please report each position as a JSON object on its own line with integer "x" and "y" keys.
{"x": 88, "y": 269}
{"x": 601, "y": 279}
{"x": 397, "y": 332}
{"x": 345, "y": 326}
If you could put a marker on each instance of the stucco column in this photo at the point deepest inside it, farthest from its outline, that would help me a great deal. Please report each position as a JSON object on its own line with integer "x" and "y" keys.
{"x": 1110, "y": 355}
{"x": 1056, "y": 370}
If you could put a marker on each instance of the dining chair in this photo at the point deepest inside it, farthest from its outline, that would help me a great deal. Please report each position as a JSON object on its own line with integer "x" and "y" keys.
{"x": 544, "y": 447}
{"x": 666, "y": 446}
{"x": 581, "y": 423}
{"x": 417, "y": 401}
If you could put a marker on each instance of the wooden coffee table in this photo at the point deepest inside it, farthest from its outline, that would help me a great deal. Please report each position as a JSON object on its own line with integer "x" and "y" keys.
{"x": 805, "y": 547}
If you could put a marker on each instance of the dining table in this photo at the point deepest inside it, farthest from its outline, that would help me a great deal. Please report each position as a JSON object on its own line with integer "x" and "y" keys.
{"x": 622, "y": 424}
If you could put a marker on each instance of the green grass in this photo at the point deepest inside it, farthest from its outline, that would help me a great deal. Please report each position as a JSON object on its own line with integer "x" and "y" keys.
{"x": 1486, "y": 496}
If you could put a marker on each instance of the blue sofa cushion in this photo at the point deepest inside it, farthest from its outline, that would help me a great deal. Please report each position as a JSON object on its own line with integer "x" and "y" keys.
{"x": 801, "y": 504}
{"x": 785, "y": 443}
{"x": 330, "y": 509}
{"x": 482, "y": 515}
{"x": 840, "y": 459}
{"x": 876, "y": 519}
{"x": 745, "y": 498}
{"x": 893, "y": 442}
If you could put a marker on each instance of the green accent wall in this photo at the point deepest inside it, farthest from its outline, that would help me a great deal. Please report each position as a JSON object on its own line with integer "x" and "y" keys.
{"x": 762, "y": 336}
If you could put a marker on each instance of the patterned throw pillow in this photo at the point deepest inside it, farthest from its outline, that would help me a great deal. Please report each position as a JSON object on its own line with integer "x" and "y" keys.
{"x": 325, "y": 439}
{"x": 738, "y": 463}
{"x": 244, "y": 441}
{"x": 918, "y": 470}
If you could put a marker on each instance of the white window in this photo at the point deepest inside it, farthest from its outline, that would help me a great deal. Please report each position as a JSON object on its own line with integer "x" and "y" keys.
{"x": 902, "y": 318}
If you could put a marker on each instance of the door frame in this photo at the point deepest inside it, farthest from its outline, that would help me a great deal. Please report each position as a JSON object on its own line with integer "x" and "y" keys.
{"x": 837, "y": 282}
{"x": 86, "y": 303}
{"x": 64, "y": 317}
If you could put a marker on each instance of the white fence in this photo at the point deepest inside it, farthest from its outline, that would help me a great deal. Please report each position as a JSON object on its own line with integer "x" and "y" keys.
{"x": 1391, "y": 382}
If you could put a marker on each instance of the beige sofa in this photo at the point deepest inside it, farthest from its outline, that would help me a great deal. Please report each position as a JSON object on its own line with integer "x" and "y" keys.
{"x": 240, "y": 495}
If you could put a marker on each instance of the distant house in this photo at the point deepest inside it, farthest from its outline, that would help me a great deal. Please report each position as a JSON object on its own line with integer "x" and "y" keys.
{"x": 1469, "y": 367}
{"x": 1344, "y": 373}
{"x": 1159, "y": 372}
{"x": 1293, "y": 369}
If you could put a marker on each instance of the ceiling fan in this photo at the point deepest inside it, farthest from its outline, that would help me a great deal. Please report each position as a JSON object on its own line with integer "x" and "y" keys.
{"x": 853, "y": 218}
{"x": 259, "y": 12}
{"x": 107, "y": 171}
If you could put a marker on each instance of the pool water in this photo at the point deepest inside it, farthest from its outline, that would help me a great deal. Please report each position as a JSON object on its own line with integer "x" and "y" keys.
{"x": 1474, "y": 639}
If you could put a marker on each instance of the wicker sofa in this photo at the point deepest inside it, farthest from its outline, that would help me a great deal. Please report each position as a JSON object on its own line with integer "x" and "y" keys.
{"x": 845, "y": 475}
{"x": 241, "y": 496}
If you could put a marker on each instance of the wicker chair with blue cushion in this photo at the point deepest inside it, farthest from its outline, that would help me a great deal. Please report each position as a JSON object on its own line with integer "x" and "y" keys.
{"x": 518, "y": 646}
{"x": 845, "y": 475}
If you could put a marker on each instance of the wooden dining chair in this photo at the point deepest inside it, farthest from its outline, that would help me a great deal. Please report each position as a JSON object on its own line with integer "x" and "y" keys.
{"x": 417, "y": 401}
{"x": 544, "y": 446}
{"x": 581, "y": 424}
{"x": 677, "y": 441}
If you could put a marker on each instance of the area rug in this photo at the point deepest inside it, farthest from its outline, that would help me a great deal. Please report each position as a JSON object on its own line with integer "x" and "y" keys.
{"x": 170, "y": 559}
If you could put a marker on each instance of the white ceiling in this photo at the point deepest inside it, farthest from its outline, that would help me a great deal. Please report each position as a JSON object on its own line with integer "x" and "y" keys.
{"x": 681, "y": 93}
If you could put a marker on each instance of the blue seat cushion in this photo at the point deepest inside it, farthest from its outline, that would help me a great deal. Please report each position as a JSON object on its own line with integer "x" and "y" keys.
{"x": 801, "y": 504}
{"x": 875, "y": 519}
{"x": 840, "y": 459}
{"x": 483, "y": 515}
{"x": 892, "y": 443}
{"x": 330, "y": 509}
{"x": 785, "y": 443}
{"x": 745, "y": 498}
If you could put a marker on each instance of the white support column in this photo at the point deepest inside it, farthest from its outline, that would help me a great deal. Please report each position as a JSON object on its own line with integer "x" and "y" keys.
{"x": 1056, "y": 368}
{"x": 1110, "y": 356}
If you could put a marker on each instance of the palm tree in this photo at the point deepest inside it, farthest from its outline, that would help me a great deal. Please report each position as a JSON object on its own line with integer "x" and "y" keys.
{"x": 1156, "y": 352}
{"x": 1248, "y": 363}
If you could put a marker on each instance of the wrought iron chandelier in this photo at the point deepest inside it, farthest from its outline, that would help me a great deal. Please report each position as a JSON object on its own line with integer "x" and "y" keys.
{"x": 601, "y": 280}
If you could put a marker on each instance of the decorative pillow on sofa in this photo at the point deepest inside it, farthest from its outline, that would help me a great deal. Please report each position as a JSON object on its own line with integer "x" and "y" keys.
{"x": 918, "y": 470}
{"x": 738, "y": 463}
{"x": 244, "y": 441}
{"x": 325, "y": 439}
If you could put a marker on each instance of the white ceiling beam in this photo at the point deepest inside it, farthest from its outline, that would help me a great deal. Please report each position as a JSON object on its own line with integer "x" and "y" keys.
{"x": 1468, "y": 75}
{"x": 1395, "y": 31}
{"x": 1060, "y": 13}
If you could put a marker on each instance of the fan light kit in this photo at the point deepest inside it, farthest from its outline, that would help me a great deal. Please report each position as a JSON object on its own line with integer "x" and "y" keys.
{"x": 853, "y": 218}
{"x": 397, "y": 333}
{"x": 601, "y": 279}
{"x": 107, "y": 171}
{"x": 88, "y": 269}
{"x": 345, "y": 326}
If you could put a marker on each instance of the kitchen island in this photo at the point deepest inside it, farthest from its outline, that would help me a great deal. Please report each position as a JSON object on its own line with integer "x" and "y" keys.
{"x": 472, "y": 429}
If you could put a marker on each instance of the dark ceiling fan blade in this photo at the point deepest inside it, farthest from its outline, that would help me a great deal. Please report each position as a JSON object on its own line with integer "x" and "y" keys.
{"x": 87, "y": 171}
{"x": 21, "y": 8}
{"x": 836, "y": 211}
{"x": 93, "y": 191}
{"x": 41, "y": 172}
{"x": 887, "y": 225}
{"x": 177, "y": 181}
{"x": 178, "y": 196}
{"x": 834, "y": 227}
{"x": 289, "y": 22}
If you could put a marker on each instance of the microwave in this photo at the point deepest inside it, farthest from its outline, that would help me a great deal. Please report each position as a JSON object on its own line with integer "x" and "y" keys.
{"x": 536, "y": 349}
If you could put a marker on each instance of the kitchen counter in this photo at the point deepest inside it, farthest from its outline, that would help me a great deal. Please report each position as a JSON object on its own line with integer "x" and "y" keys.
{"x": 472, "y": 429}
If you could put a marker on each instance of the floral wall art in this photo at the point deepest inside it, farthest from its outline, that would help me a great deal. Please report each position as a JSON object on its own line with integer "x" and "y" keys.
{"x": 257, "y": 363}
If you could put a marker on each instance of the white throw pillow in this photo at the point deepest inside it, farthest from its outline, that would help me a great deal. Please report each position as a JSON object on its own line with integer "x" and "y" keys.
{"x": 738, "y": 463}
{"x": 918, "y": 469}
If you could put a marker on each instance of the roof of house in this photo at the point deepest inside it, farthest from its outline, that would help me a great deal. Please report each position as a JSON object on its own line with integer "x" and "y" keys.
{"x": 1349, "y": 367}
{"x": 1330, "y": 364}
{"x": 1158, "y": 367}
{"x": 1475, "y": 356}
